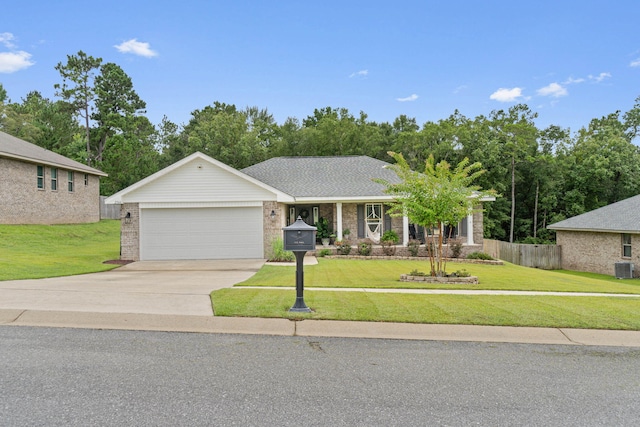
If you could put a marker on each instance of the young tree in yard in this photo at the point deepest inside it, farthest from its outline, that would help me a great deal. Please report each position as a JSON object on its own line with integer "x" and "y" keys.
{"x": 438, "y": 197}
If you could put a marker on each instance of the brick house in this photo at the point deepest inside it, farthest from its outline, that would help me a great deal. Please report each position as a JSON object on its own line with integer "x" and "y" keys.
{"x": 200, "y": 208}
{"x": 39, "y": 186}
{"x": 595, "y": 241}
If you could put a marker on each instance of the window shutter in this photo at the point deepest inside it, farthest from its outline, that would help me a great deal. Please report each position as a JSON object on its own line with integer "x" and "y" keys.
{"x": 360, "y": 209}
{"x": 387, "y": 219}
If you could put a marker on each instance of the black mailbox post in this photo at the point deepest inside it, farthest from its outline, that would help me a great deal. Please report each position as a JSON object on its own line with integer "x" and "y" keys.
{"x": 299, "y": 238}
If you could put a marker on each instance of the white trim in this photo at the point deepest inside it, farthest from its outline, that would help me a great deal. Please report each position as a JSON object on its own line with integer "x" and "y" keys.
{"x": 339, "y": 220}
{"x": 376, "y": 199}
{"x": 470, "y": 230}
{"x": 117, "y": 197}
{"x": 405, "y": 230}
{"x": 171, "y": 205}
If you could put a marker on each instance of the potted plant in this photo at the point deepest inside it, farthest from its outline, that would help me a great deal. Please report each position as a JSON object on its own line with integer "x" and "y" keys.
{"x": 323, "y": 231}
{"x": 345, "y": 233}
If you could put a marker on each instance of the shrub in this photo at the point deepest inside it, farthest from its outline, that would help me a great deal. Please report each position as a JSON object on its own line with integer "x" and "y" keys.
{"x": 278, "y": 254}
{"x": 456, "y": 247}
{"x": 364, "y": 247}
{"x": 390, "y": 236}
{"x": 414, "y": 247}
{"x": 416, "y": 273}
{"x": 324, "y": 252}
{"x": 461, "y": 273}
{"x": 479, "y": 255}
{"x": 343, "y": 248}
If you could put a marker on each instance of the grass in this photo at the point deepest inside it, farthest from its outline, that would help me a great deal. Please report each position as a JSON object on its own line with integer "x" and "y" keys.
{"x": 497, "y": 310}
{"x": 348, "y": 273}
{"x": 38, "y": 251}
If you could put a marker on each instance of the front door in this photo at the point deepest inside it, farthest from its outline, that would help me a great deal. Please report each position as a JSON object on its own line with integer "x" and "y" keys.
{"x": 308, "y": 213}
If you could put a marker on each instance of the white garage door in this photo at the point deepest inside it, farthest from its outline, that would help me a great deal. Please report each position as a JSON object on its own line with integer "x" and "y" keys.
{"x": 201, "y": 233}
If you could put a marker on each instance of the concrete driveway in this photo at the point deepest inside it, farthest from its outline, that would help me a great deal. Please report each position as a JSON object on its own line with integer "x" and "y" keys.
{"x": 147, "y": 287}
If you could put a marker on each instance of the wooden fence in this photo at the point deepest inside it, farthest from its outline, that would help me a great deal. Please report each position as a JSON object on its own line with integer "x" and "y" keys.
{"x": 108, "y": 211}
{"x": 546, "y": 257}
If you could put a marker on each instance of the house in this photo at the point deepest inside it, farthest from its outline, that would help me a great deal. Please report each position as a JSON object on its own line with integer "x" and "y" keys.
{"x": 200, "y": 208}
{"x": 39, "y": 186}
{"x": 595, "y": 241}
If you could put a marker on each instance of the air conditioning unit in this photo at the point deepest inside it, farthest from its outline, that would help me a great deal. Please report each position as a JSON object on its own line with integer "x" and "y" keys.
{"x": 624, "y": 270}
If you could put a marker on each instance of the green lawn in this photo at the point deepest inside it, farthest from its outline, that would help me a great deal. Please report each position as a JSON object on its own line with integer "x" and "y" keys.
{"x": 348, "y": 273}
{"x": 499, "y": 310}
{"x": 37, "y": 251}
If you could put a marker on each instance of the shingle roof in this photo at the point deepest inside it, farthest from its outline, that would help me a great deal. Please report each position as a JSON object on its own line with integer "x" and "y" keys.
{"x": 339, "y": 177}
{"x": 619, "y": 217}
{"x": 16, "y": 148}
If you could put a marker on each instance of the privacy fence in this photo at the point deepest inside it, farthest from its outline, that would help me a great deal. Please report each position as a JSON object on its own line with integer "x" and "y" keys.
{"x": 108, "y": 211}
{"x": 546, "y": 257}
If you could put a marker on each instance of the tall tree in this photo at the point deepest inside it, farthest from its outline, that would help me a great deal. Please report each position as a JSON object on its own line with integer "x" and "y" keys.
{"x": 77, "y": 88}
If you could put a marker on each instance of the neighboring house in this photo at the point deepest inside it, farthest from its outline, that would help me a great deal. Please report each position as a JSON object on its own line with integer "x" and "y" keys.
{"x": 200, "y": 208}
{"x": 39, "y": 186}
{"x": 595, "y": 241}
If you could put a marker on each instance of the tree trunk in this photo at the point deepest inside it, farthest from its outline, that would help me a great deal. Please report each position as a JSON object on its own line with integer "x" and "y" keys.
{"x": 535, "y": 212}
{"x": 513, "y": 196}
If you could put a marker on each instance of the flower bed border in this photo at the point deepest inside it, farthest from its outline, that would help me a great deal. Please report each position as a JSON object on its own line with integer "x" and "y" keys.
{"x": 470, "y": 280}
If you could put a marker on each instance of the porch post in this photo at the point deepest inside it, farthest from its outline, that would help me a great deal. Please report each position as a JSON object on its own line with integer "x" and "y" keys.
{"x": 470, "y": 229}
{"x": 405, "y": 230}
{"x": 339, "y": 220}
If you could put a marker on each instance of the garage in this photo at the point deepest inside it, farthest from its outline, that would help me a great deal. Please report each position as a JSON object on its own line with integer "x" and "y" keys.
{"x": 201, "y": 233}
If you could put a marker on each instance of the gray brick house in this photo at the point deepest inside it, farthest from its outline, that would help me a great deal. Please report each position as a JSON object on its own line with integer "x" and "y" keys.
{"x": 596, "y": 240}
{"x": 39, "y": 186}
{"x": 200, "y": 208}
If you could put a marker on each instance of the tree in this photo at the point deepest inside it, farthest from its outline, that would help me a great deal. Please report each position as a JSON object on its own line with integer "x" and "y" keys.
{"x": 77, "y": 88}
{"x": 438, "y": 197}
{"x": 116, "y": 105}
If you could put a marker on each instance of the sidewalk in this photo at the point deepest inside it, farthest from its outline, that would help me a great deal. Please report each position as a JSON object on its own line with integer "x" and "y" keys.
{"x": 318, "y": 328}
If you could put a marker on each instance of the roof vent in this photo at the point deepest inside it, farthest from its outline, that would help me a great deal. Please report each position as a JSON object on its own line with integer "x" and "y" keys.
{"x": 624, "y": 270}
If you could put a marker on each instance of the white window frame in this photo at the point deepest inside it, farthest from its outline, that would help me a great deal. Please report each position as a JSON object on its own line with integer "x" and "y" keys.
{"x": 54, "y": 179}
{"x": 626, "y": 245}
{"x": 70, "y": 183}
{"x": 40, "y": 175}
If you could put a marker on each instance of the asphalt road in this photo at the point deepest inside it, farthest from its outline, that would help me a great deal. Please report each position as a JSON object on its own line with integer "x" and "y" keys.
{"x": 75, "y": 377}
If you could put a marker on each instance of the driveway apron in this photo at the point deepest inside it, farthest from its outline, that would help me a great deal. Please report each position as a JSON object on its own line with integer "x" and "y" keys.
{"x": 147, "y": 287}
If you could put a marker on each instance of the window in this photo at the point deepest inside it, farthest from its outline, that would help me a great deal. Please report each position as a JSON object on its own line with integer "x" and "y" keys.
{"x": 40, "y": 177}
{"x": 54, "y": 179}
{"x": 373, "y": 219}
{"x": 626, "y": 245}
{"x": 70, "y": 181}
{"x": 86, "y": 179}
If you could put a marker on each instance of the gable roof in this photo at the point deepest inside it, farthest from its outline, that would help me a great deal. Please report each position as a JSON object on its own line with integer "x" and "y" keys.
{"x": 332, "y": 177}
{"x": 18, "y": 149}
{"x": 619, "y": 217}
{"x": 117, "y": 198}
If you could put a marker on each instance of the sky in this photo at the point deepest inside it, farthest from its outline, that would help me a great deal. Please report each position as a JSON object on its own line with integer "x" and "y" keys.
{"x": 569, "y": 61}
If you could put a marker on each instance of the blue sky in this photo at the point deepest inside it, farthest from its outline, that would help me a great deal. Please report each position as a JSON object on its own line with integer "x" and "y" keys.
{"x": 570, "y": 61}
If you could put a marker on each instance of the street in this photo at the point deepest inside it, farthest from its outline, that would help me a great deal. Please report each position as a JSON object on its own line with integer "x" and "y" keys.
{"x": 73, "y": 377}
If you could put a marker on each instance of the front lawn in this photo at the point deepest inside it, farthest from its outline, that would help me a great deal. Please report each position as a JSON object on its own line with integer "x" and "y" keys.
{"x": 351, "y": 273}
{"x": 494, "y": 310}
{"x": 37, "y": 251}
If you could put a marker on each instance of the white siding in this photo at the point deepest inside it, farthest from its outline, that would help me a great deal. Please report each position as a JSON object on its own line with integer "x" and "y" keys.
{"x": 198, "y": 181}
{"x": 201, "y": 233}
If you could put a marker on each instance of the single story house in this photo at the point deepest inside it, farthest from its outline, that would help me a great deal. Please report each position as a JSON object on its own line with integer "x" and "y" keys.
{"x": 201, "y": 208}
{"x": 595, "y": 241}
{"x": 39, "y": 186}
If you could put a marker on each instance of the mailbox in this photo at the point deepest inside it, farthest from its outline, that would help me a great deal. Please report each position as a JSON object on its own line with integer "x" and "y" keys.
{"x": 299, "y": 236}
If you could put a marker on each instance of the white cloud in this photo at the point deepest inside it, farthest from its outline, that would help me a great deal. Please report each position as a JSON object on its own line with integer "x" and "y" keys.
{"x": 571, "y": 81}
{"x": 137, "y": 48}
{"x": 506, "y": 95}
{"x": 10, "y": 62}
{"x": 5, "y": 39}
{"x": 361, "y": 73}
{"x": 635, "y": 63}
{"x": 554, "y": 89}
{"x": 460, "y": 89}
{"x": 600, "y": 77}
{"x": 412, "y": 97}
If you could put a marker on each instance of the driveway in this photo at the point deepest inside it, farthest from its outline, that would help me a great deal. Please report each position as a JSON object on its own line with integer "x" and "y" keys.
{"x": 148, "y": 287}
